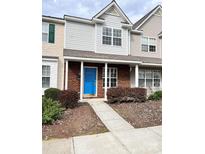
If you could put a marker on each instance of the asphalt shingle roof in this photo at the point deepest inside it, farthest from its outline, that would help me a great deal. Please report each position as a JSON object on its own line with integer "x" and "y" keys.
{"x": 91, "y": 54}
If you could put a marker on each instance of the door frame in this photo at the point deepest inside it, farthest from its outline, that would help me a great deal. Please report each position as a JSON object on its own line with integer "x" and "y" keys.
{"x": 96, "y": 82}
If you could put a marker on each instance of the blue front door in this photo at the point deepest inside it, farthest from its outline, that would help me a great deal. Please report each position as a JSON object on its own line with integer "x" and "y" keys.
{"x": 89, "y": 81}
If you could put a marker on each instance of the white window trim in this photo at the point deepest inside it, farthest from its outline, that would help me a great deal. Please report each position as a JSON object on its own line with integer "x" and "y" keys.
{"x": 152, "y": 71}
{"x": 149, "y": 44}
{"x": 112, "y": 28}
{"x": 47, "y": 76}
{"x": 109, "y": 77}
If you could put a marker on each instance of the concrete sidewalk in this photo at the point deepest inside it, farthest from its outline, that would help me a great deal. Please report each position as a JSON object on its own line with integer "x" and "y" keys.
{"x": 133, "y": 141}
{"x": 122, "y": 138}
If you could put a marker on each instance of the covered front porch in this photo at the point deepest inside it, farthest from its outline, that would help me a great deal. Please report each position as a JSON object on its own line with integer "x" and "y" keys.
{"x": 92, "y": 78}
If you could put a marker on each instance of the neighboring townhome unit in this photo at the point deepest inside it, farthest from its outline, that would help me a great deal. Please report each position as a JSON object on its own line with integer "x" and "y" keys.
{"x": 148, "y": 47}
{"x": 99, "y": 53}
{"x": 52, "y": 52}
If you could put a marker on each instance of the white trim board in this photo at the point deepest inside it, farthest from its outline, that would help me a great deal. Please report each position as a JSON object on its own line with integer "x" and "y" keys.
{"x": 50, "y": 59}
{"x": 101, "y": 60}
{"x": 150, "y": 64}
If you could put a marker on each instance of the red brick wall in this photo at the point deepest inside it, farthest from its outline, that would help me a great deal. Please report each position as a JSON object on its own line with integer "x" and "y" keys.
{"x": 74, "y": 78}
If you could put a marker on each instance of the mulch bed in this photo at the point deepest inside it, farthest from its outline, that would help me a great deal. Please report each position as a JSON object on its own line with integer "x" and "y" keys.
{"x": 140, "y": 115}
{"x": 81, "y": 120}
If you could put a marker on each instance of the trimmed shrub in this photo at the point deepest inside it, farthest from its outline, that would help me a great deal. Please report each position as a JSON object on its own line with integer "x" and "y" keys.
{"x": 69, "y": 98}
{"x": 156, "y": 96}
{"x": 52, "y": 93}
{"x": 51, "y": 110}
{"x": 125, "y": 95}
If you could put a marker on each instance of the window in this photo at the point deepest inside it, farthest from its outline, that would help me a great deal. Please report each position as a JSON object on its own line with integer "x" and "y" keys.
{"x": 117, "y": 37}
{"x": 149, "y": 78}
{"x": 46, "y": 71}
{"x": 111, "y": 77}
{"x": 112, "y": 36}
{"x": 48, "y": 32}
{"x": 148, "y": 44}
{"x": 107, "y": 36}
{"x": 157, "y": 77}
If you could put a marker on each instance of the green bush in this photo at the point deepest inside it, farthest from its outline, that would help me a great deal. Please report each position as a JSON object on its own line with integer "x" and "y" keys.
{"x": 52, "y": 93}
{"x": 156, "y": 96}
{"x": 51, "y": 110}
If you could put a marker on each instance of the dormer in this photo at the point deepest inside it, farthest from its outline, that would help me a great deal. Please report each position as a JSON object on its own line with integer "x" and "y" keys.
{"x": 112, "y": 35}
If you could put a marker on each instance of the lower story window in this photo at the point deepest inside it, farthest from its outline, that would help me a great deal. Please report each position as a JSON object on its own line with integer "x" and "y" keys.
{"x": 111, "y": 77}
{"x": 46, "y": 76}
{"x": 149, "y": 78}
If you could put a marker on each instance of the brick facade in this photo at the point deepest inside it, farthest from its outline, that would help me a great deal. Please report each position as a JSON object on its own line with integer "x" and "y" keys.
{"x": 74, "y": 76}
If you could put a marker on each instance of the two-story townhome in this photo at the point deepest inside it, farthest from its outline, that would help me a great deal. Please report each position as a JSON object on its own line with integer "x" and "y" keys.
{"x": 148, "y": 47}
{"x": 109, "y": 51}
{"x": 52, "y": 52}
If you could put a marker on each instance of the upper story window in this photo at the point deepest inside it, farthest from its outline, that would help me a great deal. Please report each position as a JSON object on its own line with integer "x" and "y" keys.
{"x": 48, "y": 32}
{"x": 148, "y": 44}
{"x": 112, "y": 36}
{"x": 46, "y": 72}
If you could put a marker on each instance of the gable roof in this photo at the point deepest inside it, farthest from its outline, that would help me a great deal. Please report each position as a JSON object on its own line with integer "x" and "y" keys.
{"x": 146, "y": 17}
{"x": 111, "y": 4}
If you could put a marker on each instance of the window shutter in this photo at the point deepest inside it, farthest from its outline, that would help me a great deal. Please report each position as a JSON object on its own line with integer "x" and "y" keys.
{"x": 51, "y": 33}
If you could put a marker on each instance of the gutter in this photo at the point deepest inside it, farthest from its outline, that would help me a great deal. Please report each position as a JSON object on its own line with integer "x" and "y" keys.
{"x": 102, "y": 60}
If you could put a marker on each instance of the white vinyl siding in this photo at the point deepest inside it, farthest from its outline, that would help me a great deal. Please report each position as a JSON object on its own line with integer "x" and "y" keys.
{"x": 79, "y": 36}
{"x": 116, "y": 23}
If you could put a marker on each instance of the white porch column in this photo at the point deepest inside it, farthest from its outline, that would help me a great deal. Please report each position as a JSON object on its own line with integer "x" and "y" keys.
{"x": 105, "y": 88}
{"x": 81, "y": 80}
{"x": 66, "y": 74}
{"x": 136, "y": 75}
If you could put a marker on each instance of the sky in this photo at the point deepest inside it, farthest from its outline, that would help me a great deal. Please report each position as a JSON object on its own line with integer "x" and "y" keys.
{"x": 134, "y": 9}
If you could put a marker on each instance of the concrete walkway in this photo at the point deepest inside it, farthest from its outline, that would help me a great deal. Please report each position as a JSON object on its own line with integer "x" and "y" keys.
{"x": 122, "y": 138}
{"x": 111, "y": 119}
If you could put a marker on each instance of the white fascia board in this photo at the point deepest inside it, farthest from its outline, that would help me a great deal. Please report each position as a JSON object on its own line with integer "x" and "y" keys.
{"x": 50, "y": 59}
{"x": 150, "y": 64}
{"x": 99, "y": 21}
{"x": 148, "y": 17}
{"x": 101, "y": 60}
{"x": 129, "y": 26}
{"x": 87, "y": 21}
{"x": 53, "y": 20}
{"x": 137, "y": 31}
